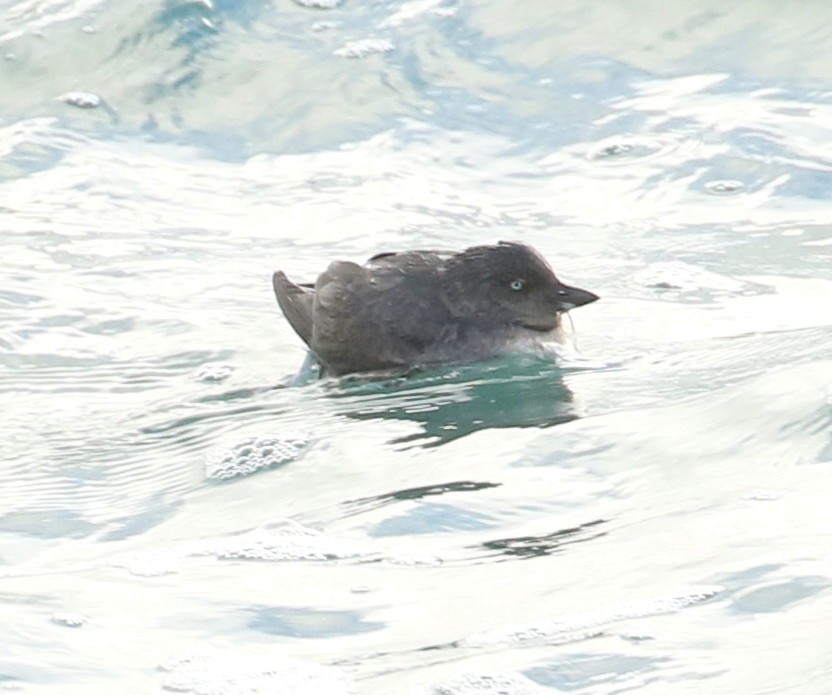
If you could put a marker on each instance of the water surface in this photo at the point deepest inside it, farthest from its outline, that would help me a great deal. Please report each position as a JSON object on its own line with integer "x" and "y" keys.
{"x": 180, "y": 512}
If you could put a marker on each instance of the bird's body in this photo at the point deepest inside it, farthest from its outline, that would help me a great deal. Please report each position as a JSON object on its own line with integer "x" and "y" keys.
{"x": 403, "y": 310}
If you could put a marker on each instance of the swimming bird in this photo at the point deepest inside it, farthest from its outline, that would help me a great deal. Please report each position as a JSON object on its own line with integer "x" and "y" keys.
{"x": 408, "y": 309}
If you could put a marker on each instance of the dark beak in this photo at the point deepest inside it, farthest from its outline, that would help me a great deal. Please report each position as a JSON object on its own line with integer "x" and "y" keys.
{"x": 572, "y": 297}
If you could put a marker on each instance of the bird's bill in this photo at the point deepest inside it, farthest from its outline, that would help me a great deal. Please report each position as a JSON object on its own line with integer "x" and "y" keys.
{"x": 573, "y": 297}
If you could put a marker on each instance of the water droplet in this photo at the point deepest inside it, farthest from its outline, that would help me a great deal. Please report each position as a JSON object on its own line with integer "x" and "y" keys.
{"x": 614, "y": 150}
{"x": 319, "y": 4}
{"x": 364, "y": 47}
{"x": 636, "y": 637}
{"x": 724, "y": 187}
{"x": 82, "y": 100}
{"x": 69, "y": 619}
{"x": 214, "y": 372}
{"x": 625, "y": 150}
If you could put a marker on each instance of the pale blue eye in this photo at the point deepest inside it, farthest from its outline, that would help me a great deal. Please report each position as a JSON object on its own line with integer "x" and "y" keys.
{"x": 517, "y": 284}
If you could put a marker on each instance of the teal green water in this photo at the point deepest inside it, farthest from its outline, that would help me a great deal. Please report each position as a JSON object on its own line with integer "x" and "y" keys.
{"x": 184, "y": 509}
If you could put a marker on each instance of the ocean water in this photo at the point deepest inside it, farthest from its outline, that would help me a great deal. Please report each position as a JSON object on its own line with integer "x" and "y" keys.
{"x": 183, "y": 508}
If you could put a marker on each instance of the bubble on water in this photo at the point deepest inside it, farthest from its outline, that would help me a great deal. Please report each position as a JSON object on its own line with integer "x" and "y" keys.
{"x": 319, "y": 4}
{"x": 724, "y": 187}
{"x": 83, "y": 100}
{"x": 364, "y": 47}
{"x": 69, "y": 619}
{"x": 255, "y": 453}
{"x": 614, "y": 150}
{"x": 416, "y": 560}
{"x": 323, "y": 26}
{"x": 581, "y": 626}
{"x": 88, "y": 29}
{"x": 490, "y": 684}
{"x": 618, "y": 150}
{"x": 409, "y": 11}
{"x": 214, "y": 372}
{"x": 285, "y": 541}
{"x": 282, "y": 541}
{"x": 226, "y": 673}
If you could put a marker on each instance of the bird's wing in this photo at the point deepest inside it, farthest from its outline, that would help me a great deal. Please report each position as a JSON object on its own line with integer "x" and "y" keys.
{"x": 296, "y": 303}
{"x": 371, "y": 319}
{"x": 399, "y": 258}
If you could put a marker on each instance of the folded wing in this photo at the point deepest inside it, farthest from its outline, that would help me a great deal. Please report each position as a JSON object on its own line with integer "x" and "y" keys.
{"x": 297, "y": 304}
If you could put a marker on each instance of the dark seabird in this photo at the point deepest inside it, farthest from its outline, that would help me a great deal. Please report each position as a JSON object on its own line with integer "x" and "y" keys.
{"x": 416, "y": 308}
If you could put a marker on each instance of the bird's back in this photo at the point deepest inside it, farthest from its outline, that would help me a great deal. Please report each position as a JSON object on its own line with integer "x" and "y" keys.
{"x": 381, "y": 316}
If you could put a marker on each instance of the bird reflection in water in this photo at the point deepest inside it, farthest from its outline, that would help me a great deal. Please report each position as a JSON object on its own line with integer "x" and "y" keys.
{"x": 449, "y": 403}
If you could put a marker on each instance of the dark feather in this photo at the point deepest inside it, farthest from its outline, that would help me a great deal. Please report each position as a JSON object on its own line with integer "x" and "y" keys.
{"x": 297, "y": 304}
